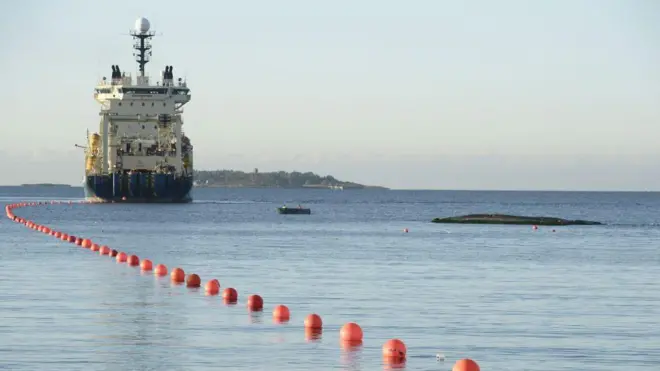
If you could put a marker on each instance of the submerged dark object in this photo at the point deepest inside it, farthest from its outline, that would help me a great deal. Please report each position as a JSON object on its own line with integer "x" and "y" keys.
{"x": 511, "y": 219}
{"x": 293, "y": 210}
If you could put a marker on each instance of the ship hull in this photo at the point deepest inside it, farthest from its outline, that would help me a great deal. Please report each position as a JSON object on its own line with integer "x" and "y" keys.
{"x": 138, "y": 188}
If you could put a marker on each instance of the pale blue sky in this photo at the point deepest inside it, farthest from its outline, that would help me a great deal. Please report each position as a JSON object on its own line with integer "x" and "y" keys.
{"x": 408, "y": 94}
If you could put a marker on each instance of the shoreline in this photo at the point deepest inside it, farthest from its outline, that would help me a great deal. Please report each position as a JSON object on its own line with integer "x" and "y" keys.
{"x": 58, "y": 185}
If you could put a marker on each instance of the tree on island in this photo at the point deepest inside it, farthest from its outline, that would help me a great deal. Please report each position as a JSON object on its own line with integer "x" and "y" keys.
{"x": 276, "y": 179}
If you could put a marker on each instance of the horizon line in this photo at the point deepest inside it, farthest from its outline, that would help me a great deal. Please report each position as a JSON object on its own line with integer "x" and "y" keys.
{"x": 51, "y": 185}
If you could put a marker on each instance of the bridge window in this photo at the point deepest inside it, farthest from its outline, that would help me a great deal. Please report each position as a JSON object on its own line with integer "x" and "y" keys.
{"x": 149, "y": 90}
{"x": 184, "y": 91}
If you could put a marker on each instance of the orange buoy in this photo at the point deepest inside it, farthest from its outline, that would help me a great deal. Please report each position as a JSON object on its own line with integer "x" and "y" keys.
{"x": 394, "y": 349}
{"x": 178, "y": 275}
{"x": 86, "y": 243}
{"x": 230, "y": 295}
{"x": 212, "y": 287}
{"x": 79, "y": 241}
{"x": 160, "y": 270}
{"x": 122, "y": 257}
{"x": 351, "y": 332}
{"x": 255, "y": 302}
{"x": 281, "y": 313}
{"x": 133, "y": 260}
{"x": 313, "y": 321}
{"x": 95, "y": 247}
{"x": 58, "y": 234}
{"x": 465, "y": 364}
{"x": 146, "y": 265}
{"x": 104, "y": 250}
{"x": 193, "y": 280}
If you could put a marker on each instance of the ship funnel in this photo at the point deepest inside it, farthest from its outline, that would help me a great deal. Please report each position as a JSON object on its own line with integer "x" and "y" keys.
{"x": 116, "y": 72}
{"x": 167, "y": 75}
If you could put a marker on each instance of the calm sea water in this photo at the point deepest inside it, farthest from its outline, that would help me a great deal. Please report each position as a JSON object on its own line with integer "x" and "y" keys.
{"x": 579, "y": 298}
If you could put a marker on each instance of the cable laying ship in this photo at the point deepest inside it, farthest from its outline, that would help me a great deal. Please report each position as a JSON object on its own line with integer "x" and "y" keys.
{"x": 141, "y": 154}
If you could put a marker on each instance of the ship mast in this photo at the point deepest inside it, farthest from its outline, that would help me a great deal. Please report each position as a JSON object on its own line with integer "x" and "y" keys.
{"x": 142, "y": 37}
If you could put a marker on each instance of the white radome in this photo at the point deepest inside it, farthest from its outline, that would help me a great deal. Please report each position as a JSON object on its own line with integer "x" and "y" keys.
{"x": 142, "y": 25}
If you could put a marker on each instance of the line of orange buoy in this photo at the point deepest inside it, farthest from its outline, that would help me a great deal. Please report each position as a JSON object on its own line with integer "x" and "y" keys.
{"x": 394, "y": 350}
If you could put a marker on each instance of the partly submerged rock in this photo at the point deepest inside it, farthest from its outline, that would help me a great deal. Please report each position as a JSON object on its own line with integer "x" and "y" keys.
{"x": 511, "y": 219}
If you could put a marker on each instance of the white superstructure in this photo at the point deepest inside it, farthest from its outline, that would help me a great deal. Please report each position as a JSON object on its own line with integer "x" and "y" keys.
{"x": 141, "y": 120}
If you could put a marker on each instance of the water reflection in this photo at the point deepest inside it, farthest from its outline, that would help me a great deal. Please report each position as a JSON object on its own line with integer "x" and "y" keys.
{"x": 280, "y": 321}
{"x": 279, "y": 339}
{"x": 132, "y": 331}
{"x": 350, "y": 346}
{"x": 313, "y": 334}
{"x": 393, "y": 364}
{"x": 256, "y": 317}
{"x": 351, "y": 355}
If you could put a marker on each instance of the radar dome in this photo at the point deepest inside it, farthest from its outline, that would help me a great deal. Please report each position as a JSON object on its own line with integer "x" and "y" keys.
{"x": 142, "y": 25}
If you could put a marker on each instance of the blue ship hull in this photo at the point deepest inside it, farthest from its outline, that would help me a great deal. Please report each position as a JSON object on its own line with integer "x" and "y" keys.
{"x": 139, "y": 188}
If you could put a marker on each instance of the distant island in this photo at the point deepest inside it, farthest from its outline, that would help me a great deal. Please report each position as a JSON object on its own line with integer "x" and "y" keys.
{"x": 277, "y": 179}
{"x": 45, "y": 185}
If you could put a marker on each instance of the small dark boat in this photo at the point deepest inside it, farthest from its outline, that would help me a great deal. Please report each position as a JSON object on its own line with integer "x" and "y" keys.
{"x": 294, "y": 210}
